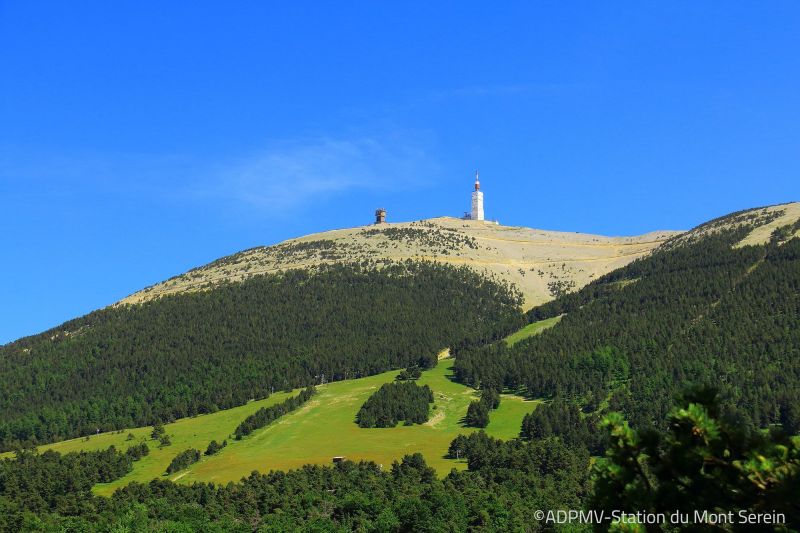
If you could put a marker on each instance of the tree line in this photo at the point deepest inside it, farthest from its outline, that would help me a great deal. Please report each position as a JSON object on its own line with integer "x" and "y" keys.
{"x": 699, "y": 311}
{"x": 34, "y": 486}
{"x": 194, "y": 353}
{"x": 566, "y": 421}
{"x": 395, "y": 402}
{"x": 267, "y": 415}
{"x": 348, "y": 496}
{"x": 214, "y": 447}
{"x": 183, "y": 460}
{"x": 706, "y": 460}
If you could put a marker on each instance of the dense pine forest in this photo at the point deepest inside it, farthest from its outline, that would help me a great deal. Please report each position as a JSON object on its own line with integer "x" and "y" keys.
{"x": 395, "y": 402}
{"x": 566, "y": 421}
{"x": 672, "y": 384}
{"x": 505, "y": 484}
{"x": 697, "y": 311}
{"x": 193, "y": 353}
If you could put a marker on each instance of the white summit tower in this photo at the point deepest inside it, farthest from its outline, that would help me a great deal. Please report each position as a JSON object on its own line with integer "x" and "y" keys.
{"x": 477, "y": 201}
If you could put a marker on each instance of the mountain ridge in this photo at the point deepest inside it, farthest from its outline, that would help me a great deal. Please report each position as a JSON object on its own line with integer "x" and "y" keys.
{"x": 541, "y": 263}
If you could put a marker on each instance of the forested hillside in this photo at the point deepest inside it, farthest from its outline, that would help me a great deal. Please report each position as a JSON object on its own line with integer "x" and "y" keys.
{"x": 504, "y": 488}
{"x": 198, "y": 352}
{"x": 505, "y": 483}
{"x": 699, "y": 310}
{"x": 706, "y": 308}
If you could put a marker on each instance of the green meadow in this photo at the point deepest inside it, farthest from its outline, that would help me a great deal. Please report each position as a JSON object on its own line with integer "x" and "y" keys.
{"x": 316, "y": 432}
{"x": 325, "y": 427}
{"x": 194, "y": 432}
{"x": 532, "y": 329}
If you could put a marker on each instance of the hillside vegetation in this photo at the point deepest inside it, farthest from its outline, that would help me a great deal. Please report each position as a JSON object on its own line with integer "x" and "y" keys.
{"x": 688, "y": 359}
{"x": 703, "y": 309}
{"x": 396, "y": 402}
{"x": 199, "y": 352}
{"x": 505, "y": 482}
{"x": 323, "y": 427}
{"x": 701, "y": 463}
{"x": 534, "y": 328}
{"x": 541, "y": 264}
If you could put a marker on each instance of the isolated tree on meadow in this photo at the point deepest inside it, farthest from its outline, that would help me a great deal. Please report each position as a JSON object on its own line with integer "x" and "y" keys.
{"x": 477, "y": 415}
{"x": 158, "y": 431}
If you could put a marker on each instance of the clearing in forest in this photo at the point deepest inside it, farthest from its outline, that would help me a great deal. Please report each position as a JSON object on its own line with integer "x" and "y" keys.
{"x": 316, "y": 432}
{"x": 532, "y": 329}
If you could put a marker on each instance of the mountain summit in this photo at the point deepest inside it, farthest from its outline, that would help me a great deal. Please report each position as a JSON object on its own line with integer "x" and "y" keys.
{"x": 542, "y": 264}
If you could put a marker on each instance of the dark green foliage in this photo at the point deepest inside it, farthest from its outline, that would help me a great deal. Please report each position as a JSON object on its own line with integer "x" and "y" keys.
{"x": 746, "y": 218}
{"x": 478, "y": 411}
{"x": 194, "y": 353}
{"x": 158, "y": 432}
{"x": 704, "y": 462}
{"x": 790, "y": 418}
{"x": 785, "y": 232}
{"x": 183, "y": 460}
{"x": 560, "y": 287}
{"x": 695, "y": 311}
{"x": 565, "y": 421}
{"x": 395, "y": 402}
{"x": 214, "y": 447}
{"x": 491, "y": 398}
{"x": 34, "y": 485}
{"x": 137, "y": 451}
{"x": 497, "y": 459}
{"x": 477, "y": 415}
{"x": 505, "y": 482}
{"x": 267, "y": 415}
{"x": 410, "y": 373}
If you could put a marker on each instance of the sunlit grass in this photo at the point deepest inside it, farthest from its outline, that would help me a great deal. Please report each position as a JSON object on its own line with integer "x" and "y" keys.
{"x": 316, "y": 432}
{"x": 532, "y": 329}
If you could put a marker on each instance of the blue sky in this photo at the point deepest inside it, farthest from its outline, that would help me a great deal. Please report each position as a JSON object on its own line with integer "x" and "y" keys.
{"x": 138, "y": 139}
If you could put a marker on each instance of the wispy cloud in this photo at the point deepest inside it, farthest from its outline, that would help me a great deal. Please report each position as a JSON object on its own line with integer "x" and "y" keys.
{"x": 279, "y": 177}
{"x": 288, "y": 174}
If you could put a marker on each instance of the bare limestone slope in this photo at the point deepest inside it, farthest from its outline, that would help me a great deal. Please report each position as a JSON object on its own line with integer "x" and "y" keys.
{"x": 540, "y": 263}
{"x": 764, "y": 219}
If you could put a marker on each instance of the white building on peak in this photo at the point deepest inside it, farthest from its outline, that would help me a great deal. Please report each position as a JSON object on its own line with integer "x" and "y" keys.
{"x": 477, "y": 201}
